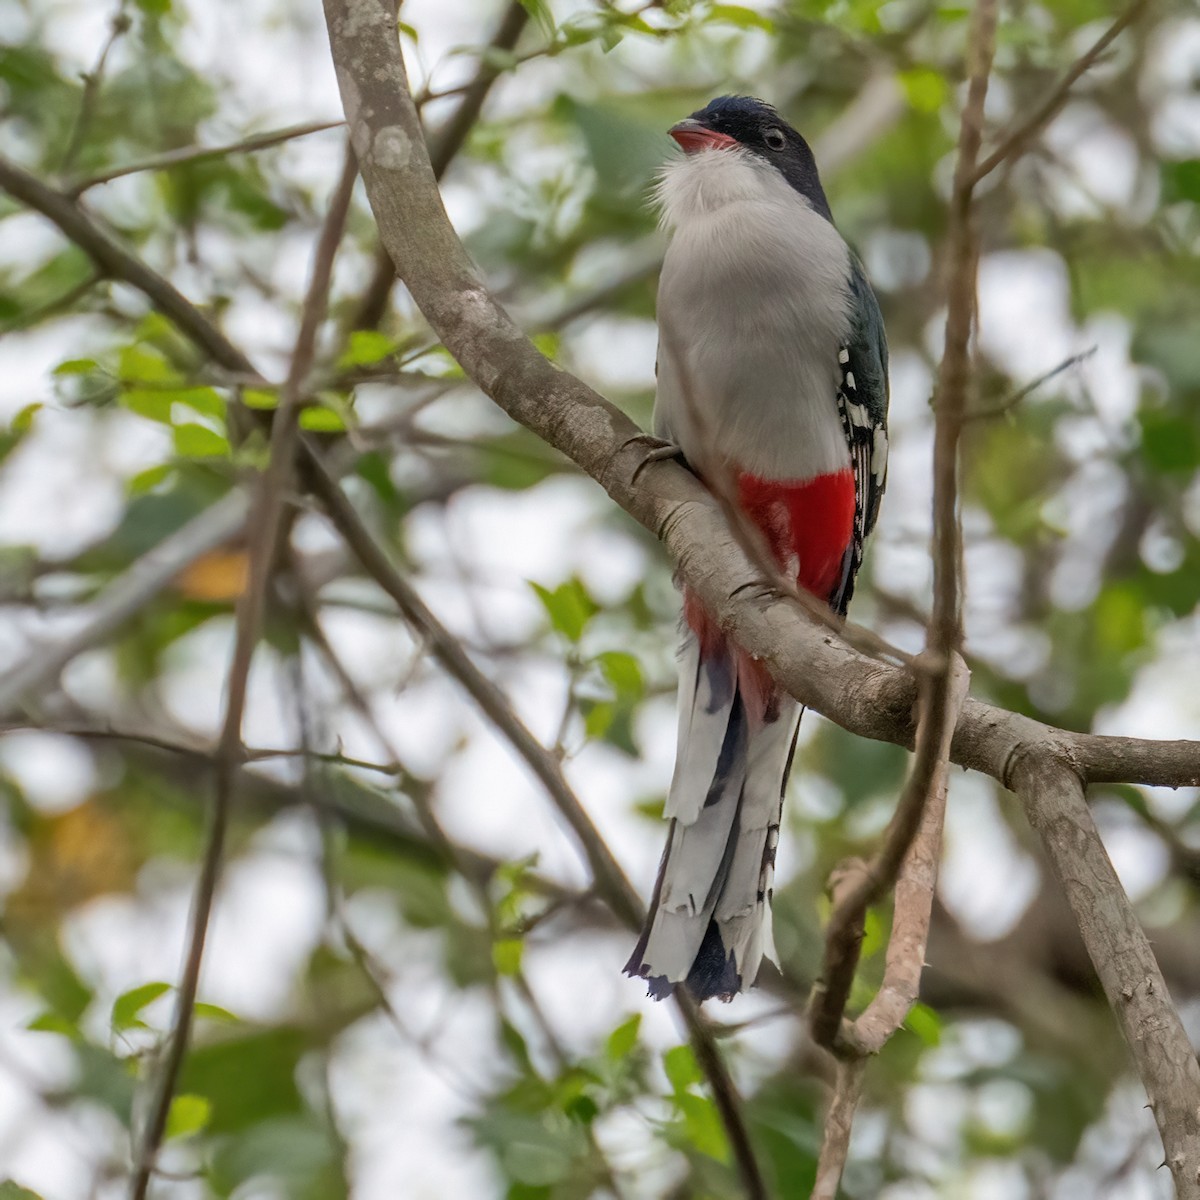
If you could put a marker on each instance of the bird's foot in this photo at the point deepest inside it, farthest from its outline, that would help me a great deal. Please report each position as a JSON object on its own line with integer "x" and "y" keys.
{"x": 658, "y": 450}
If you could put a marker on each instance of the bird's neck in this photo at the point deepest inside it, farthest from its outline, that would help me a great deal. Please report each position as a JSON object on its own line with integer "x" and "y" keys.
{"x": 703, "y": 183}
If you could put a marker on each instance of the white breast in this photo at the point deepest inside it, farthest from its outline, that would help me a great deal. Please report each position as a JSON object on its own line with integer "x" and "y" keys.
{"x": 752, "y": 310}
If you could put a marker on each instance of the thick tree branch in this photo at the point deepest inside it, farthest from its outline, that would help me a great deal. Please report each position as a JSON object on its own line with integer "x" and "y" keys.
{"x": 814, "y": 666}
{"x": 443, "y": 149}
{"x": 1124, "y": 960}
{"x": 865, "y": 696}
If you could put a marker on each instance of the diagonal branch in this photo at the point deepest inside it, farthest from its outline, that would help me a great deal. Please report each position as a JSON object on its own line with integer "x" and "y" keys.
{"x": 942, "y": 689}
{"x": 1124, "y": 960}
{"x": 125, "y": 597}
{"x": 610, "y": 880}
{"x": 266, "y": 526}
{"x": 191, "y": 154}
{"x": 443, "y": 149}
{"x": 867, "y": 697}
{"x": 1017, "y": 141}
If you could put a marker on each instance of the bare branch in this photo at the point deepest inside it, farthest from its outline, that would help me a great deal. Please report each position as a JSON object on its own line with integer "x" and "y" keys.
{"x": 443, "y": 149}
{"x": 839, "y": 1122}
{"x": 1017, "y": 141}
{"x": 116, "y": 262}
{"x": 916, "y": 882}
{"x": 265, "y": 531}
{"x": 939, "y": 699}
{"x": 869, "y": 698}
{"x": 191, "y": 154}
{"x": 1011, "y": 402}
{"x": 611, "y": 881}
{"x": 93, "y": 80}
{"x": 1124, "y": 961}
{"x": 126, "y": 596}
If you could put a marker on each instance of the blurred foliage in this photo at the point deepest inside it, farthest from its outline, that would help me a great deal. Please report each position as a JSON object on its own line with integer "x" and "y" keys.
{"x": 1082, "y": 522}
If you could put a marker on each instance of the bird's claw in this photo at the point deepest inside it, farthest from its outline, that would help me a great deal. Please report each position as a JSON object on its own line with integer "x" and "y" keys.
{"x": 658, "y": 450}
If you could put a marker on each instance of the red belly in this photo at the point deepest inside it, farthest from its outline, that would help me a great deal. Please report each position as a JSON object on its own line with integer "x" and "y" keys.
{"x": 808, "y": 527}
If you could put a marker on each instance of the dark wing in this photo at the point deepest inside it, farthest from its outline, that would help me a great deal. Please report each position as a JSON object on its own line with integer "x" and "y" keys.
{"x": 862, "y": 404}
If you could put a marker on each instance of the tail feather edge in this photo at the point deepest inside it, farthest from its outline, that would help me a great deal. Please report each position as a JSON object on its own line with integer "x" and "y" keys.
{"x": 709, "y": 923}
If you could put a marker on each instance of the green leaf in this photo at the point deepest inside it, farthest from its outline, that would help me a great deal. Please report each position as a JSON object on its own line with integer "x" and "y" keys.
{"x": 260, "y": 398}
{"x": 76, "y": 366}
{"x": 198, "y": 441}
{"x": 703, "y": 1126}
{"x": 598, "y": 718}
{"x": 740, "y": 16}
{"x": 539, "y": 10}
{"x": 52, "y": 1022}
{"x": 1181, "y": 181}
{"x": 569, "y": 607}
{"x": 624, "y": 672}
{"x": 154, "y": 404}
{"x": 214, "y": 1012}
{"x": 926, "y": 90}
{"x": 189, "y": 1114}
{"x": 140, "y": 365}
{"x": 10, "y": 1190}
{"x": 128, "y": 1005}
{"x": 23, "y": 421}
{"x": 925, "y": 1023}
{"x": 320, "y": 419}
{"x": 682, "y": 1070}
{"x": 208, "y": 402}
{"x": 623, "y": 1039}
{"x": 1169, "y": 441}
{"x": 149, "y": 479}
{"x": 364, "y": 347}
{"x": 548, "y": 343}
{"x": 506, "y": 955}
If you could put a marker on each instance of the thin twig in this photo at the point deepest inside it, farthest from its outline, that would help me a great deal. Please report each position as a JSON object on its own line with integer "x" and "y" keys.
{"x": 941, "y": 688}
{"x": 191, "y": 154}
{"x": 250, "y": 754}
{"x": 611, "y": 881}
{"x": 1016, "y": 142}
{"x": 265, "y": 529}
{"x": 126, "y": 596}
{"x": 1010, "y": 402}
{"x": 916, "y": 883}
{"x": 92, "y": 82}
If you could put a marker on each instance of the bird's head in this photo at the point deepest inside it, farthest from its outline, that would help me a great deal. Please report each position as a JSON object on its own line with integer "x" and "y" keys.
{"x": 752, "y": 125}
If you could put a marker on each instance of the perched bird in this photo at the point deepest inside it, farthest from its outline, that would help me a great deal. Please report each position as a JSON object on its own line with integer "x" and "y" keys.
{"x": 772, "y": 384}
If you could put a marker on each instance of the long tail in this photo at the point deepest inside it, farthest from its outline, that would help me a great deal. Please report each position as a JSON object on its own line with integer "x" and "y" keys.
{"x": 709, "y": 923}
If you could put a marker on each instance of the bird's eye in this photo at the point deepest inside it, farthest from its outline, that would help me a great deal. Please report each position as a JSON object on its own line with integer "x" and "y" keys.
{"x": 774, "y": 139}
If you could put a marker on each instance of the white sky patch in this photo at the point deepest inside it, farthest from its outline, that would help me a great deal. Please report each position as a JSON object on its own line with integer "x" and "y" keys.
{"x": 54, "y": 773}
{"x": 1101, "y": 160}
{"x": 986, "y": 880}
{"x": 1024, "y": 291}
